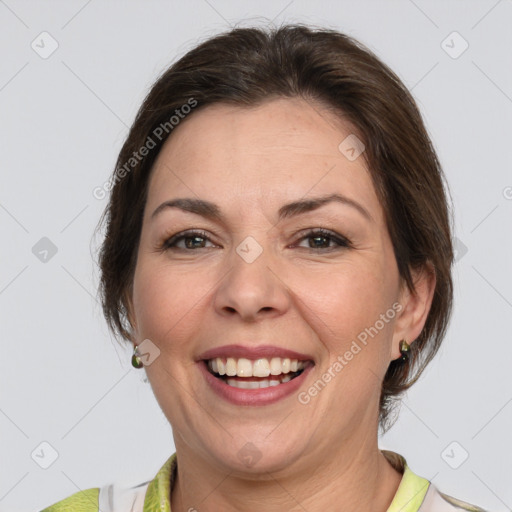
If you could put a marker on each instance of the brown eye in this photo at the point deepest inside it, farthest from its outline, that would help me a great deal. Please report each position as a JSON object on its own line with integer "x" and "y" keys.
{"x": 322, "y": 239}
{"x": 192, "y": 240}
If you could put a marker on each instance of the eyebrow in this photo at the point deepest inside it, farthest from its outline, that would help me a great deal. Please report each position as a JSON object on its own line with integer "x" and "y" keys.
{"x": 212, "y": 211}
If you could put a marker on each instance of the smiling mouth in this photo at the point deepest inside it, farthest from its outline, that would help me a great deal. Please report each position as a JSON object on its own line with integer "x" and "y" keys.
{"x": 260, "y": 373}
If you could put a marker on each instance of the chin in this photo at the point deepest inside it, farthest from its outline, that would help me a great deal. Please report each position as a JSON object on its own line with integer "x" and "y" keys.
{"x": 257, "y": 457}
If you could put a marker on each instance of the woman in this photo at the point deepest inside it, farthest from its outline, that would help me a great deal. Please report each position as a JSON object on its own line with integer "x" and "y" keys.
{"x": 278, "y": 251}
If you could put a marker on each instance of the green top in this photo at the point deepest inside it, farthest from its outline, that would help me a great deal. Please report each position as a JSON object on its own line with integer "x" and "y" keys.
{"x": 414, "y": 494}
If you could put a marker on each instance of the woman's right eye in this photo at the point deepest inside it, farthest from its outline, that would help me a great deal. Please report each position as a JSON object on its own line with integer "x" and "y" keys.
{"x": 193, "y": 240}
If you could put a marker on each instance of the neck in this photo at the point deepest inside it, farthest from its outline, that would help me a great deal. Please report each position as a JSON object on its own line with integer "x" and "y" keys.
{"x": 363, "y": 480}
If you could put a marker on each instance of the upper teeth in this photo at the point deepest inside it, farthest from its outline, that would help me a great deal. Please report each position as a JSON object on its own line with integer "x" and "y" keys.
{"x": 259, "y": 368}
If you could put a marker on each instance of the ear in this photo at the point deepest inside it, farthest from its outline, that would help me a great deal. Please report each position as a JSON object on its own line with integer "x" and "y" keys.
{"x": 415, "y": 307}
{"x": 128, "y": 302}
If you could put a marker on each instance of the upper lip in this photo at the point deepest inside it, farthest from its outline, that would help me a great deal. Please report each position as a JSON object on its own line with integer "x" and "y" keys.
{"x": 258, "y": 352}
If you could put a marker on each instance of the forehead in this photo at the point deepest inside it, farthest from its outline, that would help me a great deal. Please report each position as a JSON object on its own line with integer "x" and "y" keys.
{"x": 282, "y": 150}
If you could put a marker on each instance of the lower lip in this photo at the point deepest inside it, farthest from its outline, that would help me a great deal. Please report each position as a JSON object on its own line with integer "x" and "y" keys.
{"x": 261, "y": 396}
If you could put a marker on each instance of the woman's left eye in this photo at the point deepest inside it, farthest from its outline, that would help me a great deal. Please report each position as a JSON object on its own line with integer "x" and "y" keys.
{"x": 319, "y": 236}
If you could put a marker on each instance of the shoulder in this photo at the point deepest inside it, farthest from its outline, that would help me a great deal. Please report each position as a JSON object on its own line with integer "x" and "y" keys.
{"x": 109, "y": 498}
{"x": 417, "y": 494}
{"x": 82, "y": 501}
{"x": 116, "y": 497}
{"x": 436, "y": 500}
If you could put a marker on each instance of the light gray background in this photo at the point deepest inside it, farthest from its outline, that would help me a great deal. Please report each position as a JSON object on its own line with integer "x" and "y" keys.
{"x": 64, "y": 381}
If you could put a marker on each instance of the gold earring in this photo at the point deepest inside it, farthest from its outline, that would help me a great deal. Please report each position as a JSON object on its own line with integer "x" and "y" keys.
{"x": 136, "y": 360}
{"x": 405, "y": 350}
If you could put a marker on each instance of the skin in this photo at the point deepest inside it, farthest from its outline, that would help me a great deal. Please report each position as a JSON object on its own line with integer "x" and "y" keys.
{"x": 315, "y": 301}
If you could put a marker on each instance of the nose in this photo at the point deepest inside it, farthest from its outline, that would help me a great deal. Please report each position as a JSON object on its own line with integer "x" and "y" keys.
{"x": 252, "y": 287}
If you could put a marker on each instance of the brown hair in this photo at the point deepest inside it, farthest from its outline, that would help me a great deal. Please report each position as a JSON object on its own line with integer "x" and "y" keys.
{"x": 246, "y": 66}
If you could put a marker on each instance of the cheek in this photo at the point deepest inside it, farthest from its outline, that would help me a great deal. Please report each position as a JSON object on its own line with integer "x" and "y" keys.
{"x": 167, "y": 305}
{"x": 347, "y": 302}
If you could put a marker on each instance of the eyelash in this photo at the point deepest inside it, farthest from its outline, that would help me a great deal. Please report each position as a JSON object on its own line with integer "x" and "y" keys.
{"x": 341, "y": 241}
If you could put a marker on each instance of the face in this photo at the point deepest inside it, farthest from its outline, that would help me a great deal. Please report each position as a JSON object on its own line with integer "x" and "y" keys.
{"x": 261, "y": 282}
